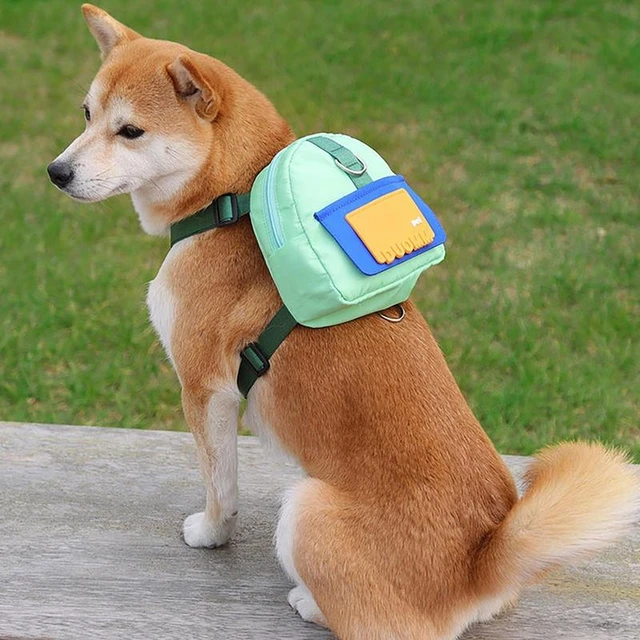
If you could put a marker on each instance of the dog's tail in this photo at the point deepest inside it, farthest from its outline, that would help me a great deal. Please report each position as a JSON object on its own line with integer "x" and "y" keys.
{"x": 580, "y": 497}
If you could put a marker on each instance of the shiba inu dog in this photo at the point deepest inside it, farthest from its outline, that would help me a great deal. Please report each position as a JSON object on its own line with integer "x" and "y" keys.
{"x": 408, "y": 524}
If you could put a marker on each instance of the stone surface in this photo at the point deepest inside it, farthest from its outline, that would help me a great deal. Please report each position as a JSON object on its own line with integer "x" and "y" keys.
{"x": 90, "y": 548}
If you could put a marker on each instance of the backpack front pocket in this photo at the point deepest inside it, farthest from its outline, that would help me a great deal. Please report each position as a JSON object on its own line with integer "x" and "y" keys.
{"x": 382, "y": 225}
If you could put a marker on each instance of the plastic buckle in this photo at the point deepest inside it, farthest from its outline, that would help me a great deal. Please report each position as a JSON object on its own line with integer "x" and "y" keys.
{"x": 222, "y": 216}
{"x": 255, "y": 357}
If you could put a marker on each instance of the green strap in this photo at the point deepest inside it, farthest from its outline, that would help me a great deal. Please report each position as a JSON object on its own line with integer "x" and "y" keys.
{"x": 345, "y": 159}
{"x": 223, "y": 211}
{"x": 254, "y": 358}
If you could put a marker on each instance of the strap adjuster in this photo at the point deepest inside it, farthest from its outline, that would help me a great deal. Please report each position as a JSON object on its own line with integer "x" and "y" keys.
{"x": 225, "y": 210}
{"x": 255, "y": 357}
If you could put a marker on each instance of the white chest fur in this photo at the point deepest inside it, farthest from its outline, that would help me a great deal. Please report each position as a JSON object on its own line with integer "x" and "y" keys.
{"x": 161, "y": 300}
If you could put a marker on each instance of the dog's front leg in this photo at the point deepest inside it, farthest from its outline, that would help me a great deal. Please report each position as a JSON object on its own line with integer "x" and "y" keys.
{"x": 213, "y": 420}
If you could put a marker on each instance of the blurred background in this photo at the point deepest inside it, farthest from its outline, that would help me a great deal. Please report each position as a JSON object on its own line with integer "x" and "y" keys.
{"x": 516, "y": 121}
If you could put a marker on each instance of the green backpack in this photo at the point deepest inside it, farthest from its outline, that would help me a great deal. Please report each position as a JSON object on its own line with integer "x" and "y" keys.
{"x": 342, "y": 236}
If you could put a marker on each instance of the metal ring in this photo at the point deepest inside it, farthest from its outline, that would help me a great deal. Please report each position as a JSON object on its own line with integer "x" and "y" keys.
{"x": 353, "y": 172}
{"x": 400, "y": 318}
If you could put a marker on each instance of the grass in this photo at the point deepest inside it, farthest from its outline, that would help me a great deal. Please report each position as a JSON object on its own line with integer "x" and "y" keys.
{"x": 516, "y": 121}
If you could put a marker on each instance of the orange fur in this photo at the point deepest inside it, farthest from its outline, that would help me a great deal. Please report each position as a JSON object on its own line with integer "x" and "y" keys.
{"x": 409, "y": 525}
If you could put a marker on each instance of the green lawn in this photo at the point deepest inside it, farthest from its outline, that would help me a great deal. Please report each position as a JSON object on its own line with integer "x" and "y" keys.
{"x": 516, "y": 121}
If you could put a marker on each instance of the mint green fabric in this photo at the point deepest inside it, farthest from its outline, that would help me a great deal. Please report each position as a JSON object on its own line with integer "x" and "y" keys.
{"x": 317, "y": 281}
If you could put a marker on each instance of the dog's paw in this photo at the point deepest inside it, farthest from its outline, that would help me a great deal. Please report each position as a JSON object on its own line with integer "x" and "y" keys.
{"x": 305, "y": 606}
{"x": 199, "y": 531}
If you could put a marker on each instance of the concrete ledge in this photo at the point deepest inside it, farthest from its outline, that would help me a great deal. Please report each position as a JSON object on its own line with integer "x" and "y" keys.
{"x": 90, "y": 548}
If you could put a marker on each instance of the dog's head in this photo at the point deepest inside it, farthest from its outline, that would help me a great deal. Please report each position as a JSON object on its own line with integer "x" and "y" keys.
{"x": 172, "y": 127}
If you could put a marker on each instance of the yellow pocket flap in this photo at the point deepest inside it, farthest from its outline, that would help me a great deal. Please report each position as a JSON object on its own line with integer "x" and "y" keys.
{"x": 391, "y": 226}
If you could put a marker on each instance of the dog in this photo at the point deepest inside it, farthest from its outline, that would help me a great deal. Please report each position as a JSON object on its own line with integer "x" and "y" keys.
{"x": 408, "y": 524}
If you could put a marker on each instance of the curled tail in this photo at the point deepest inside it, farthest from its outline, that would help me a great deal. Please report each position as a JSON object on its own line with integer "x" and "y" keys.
{"x": 579, "y": 498}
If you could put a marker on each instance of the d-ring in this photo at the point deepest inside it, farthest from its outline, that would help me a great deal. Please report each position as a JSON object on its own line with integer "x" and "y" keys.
{"x": 400, "y": 318}
{"x": 353, "y": 172}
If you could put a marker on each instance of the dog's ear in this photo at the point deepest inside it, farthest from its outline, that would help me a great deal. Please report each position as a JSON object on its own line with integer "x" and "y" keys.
{"x": 107, "y": 31}
{"x": 196, "y": 82}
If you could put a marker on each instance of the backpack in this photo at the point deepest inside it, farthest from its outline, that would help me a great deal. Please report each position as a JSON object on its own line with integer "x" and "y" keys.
{"x": 342, "y": 236}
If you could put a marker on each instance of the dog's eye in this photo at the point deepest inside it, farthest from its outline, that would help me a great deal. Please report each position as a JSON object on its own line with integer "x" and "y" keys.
{"x": 130, "y": 132}
{"x": 87, "y": 113}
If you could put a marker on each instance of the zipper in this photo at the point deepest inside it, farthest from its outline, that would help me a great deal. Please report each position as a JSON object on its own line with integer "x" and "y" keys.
{"x": 272, "y": 208}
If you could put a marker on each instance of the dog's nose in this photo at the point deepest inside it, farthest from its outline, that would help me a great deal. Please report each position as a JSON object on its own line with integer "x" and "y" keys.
{"x": 61, "y": 174}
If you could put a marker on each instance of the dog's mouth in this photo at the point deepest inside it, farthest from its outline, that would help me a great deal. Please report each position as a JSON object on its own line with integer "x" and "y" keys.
{"x": 88, "y": 194}
{"x": 78, "y": 198}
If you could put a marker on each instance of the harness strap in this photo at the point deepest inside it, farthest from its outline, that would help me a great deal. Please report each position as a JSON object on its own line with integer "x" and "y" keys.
{"x": 345, "y": 159}
{"x": 223, "y": 211}
{"x": 254, "y": 358}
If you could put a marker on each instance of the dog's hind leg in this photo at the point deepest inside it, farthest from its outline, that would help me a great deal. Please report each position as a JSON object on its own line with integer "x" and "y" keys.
{"x": 300, "y": 598}
{"x": 213, "y": 420}
{"x": 329, "y": 545}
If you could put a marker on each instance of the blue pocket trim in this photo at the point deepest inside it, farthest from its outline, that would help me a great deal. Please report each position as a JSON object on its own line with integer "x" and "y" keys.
{"x": 332, "y": 218}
